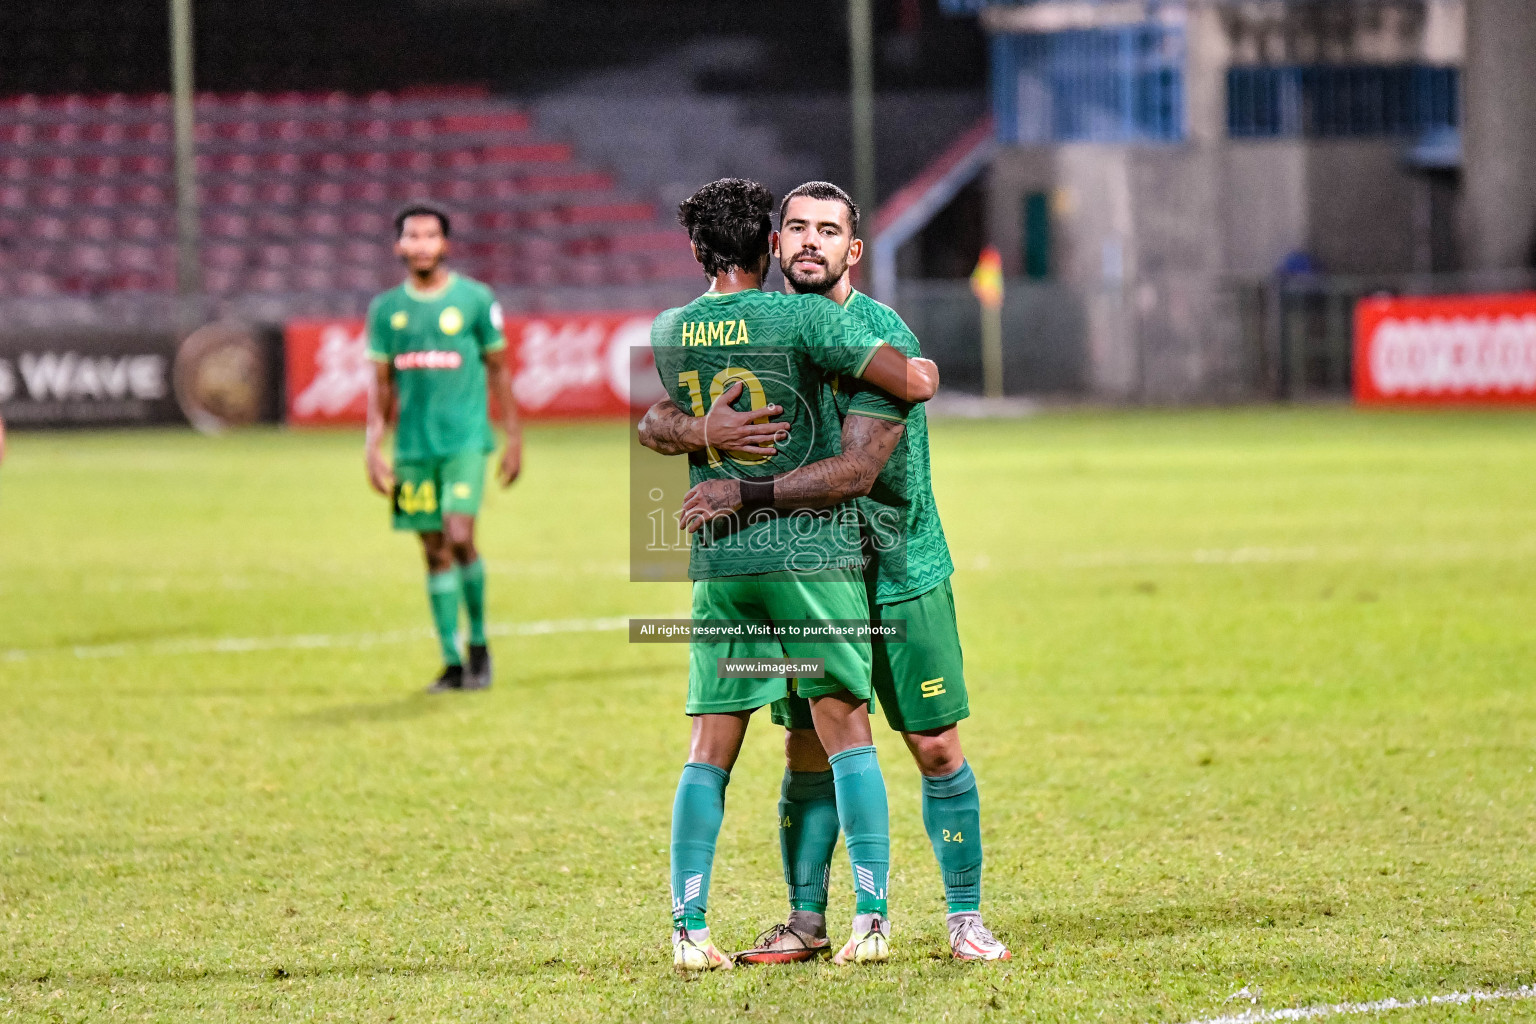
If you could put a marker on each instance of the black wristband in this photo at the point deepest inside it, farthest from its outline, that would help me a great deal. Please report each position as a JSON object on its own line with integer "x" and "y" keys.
{"x": 757, "y": 492}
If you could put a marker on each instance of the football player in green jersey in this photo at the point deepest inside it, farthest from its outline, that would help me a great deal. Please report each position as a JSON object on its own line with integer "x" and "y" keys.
{"x": 919, "y": 683}
{"x": 437, "y": 345}
{"x": 771, "y": 565}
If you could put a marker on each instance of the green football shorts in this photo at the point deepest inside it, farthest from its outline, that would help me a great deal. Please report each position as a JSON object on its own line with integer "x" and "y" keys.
{"x": 429, "y": 489}
{"x": 778, "y": 596}
{"x": 919, "y": 684}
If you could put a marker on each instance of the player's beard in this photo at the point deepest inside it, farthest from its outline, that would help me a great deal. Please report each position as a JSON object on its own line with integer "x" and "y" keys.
{"x": 818, "y": 285}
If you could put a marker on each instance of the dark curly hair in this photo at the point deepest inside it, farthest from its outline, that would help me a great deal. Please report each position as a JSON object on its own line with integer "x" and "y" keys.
{"x": 824, "y": 190}
{"x": 728, "y": 221}
{"x": 421, "y": 210}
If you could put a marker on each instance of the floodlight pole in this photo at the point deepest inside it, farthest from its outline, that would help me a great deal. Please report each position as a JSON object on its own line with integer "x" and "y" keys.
{"x": 188, "y": 266}
{"x": 861, "y": 81}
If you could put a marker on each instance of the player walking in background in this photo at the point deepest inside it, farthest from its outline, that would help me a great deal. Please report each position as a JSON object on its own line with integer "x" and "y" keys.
{"x": 436, "y": 340}
{"x": 920, "y": 684}
{"x": 766, "y": 565}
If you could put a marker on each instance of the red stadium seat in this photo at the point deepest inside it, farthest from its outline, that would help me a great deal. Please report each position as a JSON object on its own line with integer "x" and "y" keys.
{"x": 95, "y": 228}
{"x": 99, "y": 166}
{"x": 320, "y": 224}
{"x": 16, "y": 134}
{"x": 328, "y": 163}
{"x": 275, "y": 224}
{"x": 598, "y": 213}
{"x": 315, "y": 279}
{"x": 147, "y": 195}
{"x": 324, "y": 193}
{"x": 533, "y": 153}
{"x": 458, "y": 190}
{"x": 227, "y": 225}
{"x": 367, "y": 191}
{"x": 16, "y": 168}
{"x": 457, "y": 159}
{"x": 66, "y": 133}
{"x": 274, "y": 257}
{"x": 54, "y": 197}
{"x": 221, "y": 282}
{"x": 138, "y": 226}
{"x": 587, "y": 181}
{"x": 105, "y": 133}
{"x": 146, "y": 163}
{"x": 368, "y": 162}
{"x": 317, "y": 254}
{"x": 279, "y": 163}
{"x": 223, "y": 256}
{"x": 149, "y": 131}
{"x": 53, "y": 167}
{"x": 101, "y": 196}
{"x": 418, "y": 128}
{"x": 277, "y": 193}
{"x": 13, "y": 197}
{"x": 478, "y": 124}
{"x": 367, "y": 224}
{"x": 139, "y": 258}
{"x": 411, "y": 160}
{"x": 374, "y": 130}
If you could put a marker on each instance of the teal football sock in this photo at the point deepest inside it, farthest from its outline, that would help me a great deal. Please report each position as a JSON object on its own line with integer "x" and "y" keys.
{"x": 952, "y": 816}
{"x": 473, "y": 576}
{"x": 697, "y": 813}
{"x": 443, "y": 592}
{"x": 808, "y": 828}
{"x": 865, "y": 817}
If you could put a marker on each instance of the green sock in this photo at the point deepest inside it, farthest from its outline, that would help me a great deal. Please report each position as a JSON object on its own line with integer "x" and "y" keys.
{"x": 443, "y": 592}
{"x": 697, "y": 813}
{"x": 952, "y": 816}
{"x": 865, "y": 817}
{"x": 473, "y": 575}
{"x": 807, "y": 836}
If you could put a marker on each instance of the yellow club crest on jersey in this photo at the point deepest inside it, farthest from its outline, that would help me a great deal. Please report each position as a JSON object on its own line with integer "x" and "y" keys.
{"x": 452, "y": 321}
{"x": 461, "y": 490}
{"x": 399, "y": 320}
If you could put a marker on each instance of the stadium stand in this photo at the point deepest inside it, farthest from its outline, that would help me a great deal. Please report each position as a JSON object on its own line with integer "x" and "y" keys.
{"x": 296, "y": 193}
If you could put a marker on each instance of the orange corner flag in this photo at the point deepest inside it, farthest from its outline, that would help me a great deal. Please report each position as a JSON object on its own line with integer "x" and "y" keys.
{"x": 987, "y": 278}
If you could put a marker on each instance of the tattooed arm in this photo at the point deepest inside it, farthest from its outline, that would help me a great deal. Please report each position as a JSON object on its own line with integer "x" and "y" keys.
{"x": 867, "y": 444}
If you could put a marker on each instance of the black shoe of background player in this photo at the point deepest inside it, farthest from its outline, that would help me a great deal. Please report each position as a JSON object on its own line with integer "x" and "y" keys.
{"x": 477, "y": 676}
{"x": 450, "y": 681}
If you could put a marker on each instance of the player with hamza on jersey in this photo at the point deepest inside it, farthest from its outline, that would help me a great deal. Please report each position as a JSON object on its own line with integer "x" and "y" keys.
{"x": 778, "y": 560}
{"x": 920, "y": 684}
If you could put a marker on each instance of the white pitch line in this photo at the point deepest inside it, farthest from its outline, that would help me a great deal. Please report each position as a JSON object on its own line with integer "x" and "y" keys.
{"x": 306, "y": 641}
{"x": 1378, "y": 1006}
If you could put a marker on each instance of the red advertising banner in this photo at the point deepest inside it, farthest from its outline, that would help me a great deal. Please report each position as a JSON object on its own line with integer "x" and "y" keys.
{"x": 1446, "y": 349}
{"x": 566, "y": 365}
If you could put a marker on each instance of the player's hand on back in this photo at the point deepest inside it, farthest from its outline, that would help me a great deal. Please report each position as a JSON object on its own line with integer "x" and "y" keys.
{"x": 709, "y": 500}
{"x": 728, "y": 429}
{"x": 511, "y": 461}
{"x": 380, "y": 474}
{"x": 922, "y": 378}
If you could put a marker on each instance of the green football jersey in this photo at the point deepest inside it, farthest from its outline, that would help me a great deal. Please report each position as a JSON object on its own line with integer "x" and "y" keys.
{"x": 911, "y": 554}
{"x": 785, "y": 349}
{"x": 436, "y": 342}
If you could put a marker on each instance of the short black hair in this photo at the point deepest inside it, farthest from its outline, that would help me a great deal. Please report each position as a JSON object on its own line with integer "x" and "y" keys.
{"x": 823, "y": 190}
{"x": 729, "y": 222}
{"x": 421, "y": 210}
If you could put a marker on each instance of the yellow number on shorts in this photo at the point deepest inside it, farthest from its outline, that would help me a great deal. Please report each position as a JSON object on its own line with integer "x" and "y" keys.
{"x": 953, "y": 837}
{"x": 756, "y": 399}
{"x": 418, "y": 498}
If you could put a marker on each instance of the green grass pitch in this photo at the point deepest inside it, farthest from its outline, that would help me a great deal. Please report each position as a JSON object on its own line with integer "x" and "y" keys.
{"x": 1254, "y": 702}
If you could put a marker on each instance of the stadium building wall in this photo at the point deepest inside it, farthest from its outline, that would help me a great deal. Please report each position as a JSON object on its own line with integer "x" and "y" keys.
{"x": 1152, "y": 223}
